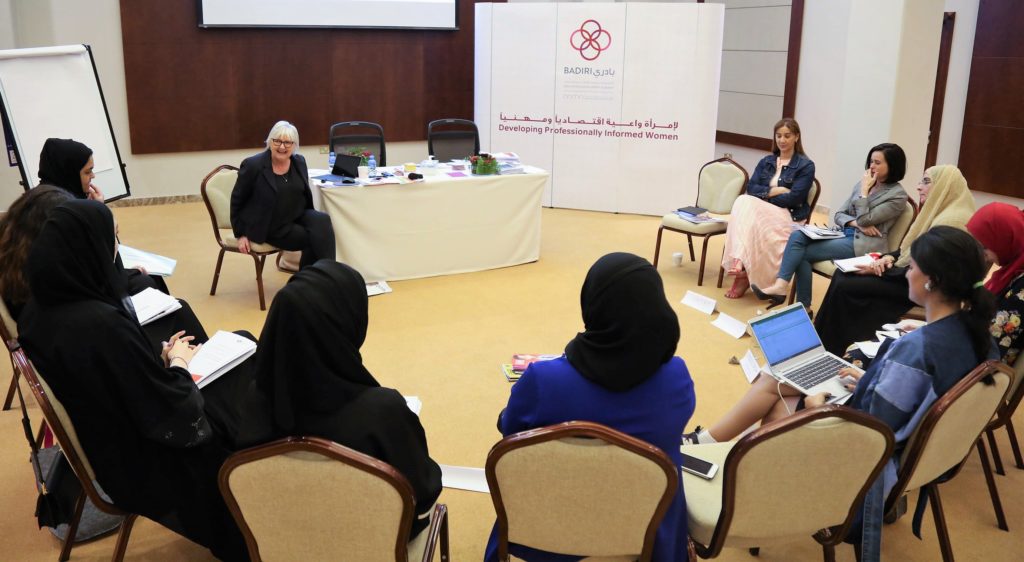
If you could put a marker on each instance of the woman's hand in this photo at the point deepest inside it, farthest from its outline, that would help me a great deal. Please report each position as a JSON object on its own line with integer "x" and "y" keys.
{"x": 849, "y": 377}
{"x": 94, "y": 193}
{"x": 142, "y": 270}
{"x": 870, "y": 230}
{"x": 177, "y": 346}
{"x": 243, "y": 244}
{"x": 818, "y": 399}
{"x": 877, "y": 267}
{"x": 867, "y": 182}
{"x": 776, "y": 191}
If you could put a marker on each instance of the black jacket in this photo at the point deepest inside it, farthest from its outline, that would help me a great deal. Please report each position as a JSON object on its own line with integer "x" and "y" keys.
{"x": 255, "y": 194}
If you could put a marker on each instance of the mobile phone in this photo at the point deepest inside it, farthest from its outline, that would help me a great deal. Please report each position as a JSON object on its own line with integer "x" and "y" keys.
{"x": 699, "y": 467}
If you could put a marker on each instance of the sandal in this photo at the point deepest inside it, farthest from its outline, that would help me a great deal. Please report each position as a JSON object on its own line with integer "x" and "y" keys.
{"x": 739, "y": 286}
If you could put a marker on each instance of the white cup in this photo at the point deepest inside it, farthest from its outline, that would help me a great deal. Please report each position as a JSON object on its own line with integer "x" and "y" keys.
{"x": 677, "y": 259}
{"x": 364, "y": 172}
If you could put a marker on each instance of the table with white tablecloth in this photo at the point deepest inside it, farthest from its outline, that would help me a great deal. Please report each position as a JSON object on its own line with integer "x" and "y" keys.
{"x": 439, "y": 226}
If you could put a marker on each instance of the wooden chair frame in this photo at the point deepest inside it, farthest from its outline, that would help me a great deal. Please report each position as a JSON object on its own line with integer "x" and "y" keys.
{"x": 468, "y": 128}
{"x": 816, "y": 271}
{"x": 707, "y": 236}
{"x": 813, "y": 195}
{"x": 74, "y": 457}
{"x": 438, "y": 529}
{"x": 589, "y": 430}
{"x": 259, "y": 258}
{"x": 377, "y": 137}
{"x": 10, "y": 340}
{"x": 828, "y": 538}
{"x": 918, "y": 442}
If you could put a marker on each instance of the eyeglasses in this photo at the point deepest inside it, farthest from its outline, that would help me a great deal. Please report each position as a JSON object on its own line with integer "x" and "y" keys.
{"x": 284, "y": 143}
{"x": 925, "y": 180}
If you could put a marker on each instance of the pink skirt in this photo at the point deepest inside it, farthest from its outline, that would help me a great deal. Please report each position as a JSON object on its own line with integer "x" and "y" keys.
{"x": 757, "y": 235}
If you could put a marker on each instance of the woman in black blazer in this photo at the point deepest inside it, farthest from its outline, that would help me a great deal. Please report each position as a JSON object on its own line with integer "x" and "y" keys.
{"x": 272, "y": 204}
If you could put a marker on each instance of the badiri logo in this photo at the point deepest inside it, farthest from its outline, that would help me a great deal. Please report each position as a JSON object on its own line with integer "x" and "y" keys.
{"x": 590, "y": 40}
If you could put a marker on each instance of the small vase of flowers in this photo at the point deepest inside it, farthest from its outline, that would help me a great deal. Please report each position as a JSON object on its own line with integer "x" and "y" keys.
{"x": 362, "y": 153}
{"x": 484, "y": 164}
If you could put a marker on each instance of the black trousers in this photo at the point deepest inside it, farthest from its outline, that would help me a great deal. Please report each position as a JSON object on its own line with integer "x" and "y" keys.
{"x": 311, "y": 233}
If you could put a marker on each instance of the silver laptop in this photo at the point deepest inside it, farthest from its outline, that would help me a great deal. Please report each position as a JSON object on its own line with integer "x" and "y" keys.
{"x": 795, "y": 354}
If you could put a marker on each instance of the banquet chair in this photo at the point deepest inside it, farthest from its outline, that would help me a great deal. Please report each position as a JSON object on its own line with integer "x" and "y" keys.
{"x": 307, "y": 498}
{"x": 64, "y": 431}
{"x": 824, "y": 458}
{"x": 452, "y": 139}
{"x": 1003, "y": 418}
{"x": 9, "y": 333}
{"x": 352, "y": 137}
{"x": 719, "y": 183}
{"x": 897, "y": 233}
{"x": 216, "y": 190}
{"x": 581, "y": 488}
{"x": 940, "y": 444}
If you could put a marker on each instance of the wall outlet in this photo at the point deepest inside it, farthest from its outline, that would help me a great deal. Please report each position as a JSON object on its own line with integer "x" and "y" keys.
{"x": 728, "y": 155}
{"x": 323, "y": 150}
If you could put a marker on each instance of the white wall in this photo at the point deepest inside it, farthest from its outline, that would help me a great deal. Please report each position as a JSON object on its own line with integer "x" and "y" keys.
{"x": 956, "y": 83}
{"x": 98, "y": 23}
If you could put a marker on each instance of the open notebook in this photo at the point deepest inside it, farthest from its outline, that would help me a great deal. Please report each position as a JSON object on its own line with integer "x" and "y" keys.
{"x": 219, "y": 355}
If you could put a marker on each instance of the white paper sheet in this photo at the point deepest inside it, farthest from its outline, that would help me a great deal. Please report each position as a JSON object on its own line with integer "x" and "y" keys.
{"x": 377, "y": 288}
{"x": 730, "y": 325}
{"x": 464, "y": 478}
{"x": 154, "y": 264}
{"x": 219, "y": 355}
{"x": 150, "y": 304}
{"x": 699, "y": 302}
{"x": 750, "y": 366}
{"x": 850, "y": 264}
{"x": 414, "y": 403}
{"x": 870, "y": 348}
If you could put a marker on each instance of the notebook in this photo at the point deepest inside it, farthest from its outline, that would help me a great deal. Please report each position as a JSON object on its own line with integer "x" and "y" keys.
{"x": 795, "y": 354}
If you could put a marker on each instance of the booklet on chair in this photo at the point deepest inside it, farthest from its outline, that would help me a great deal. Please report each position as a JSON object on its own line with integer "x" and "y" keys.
{"x": 219, "y": 355}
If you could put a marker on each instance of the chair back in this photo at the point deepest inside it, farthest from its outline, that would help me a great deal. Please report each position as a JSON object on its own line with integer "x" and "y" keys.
{"x": 306, "y": 498}
{"x": 1015, "y": 392}
{"x": 8, "y": 327}
{"x": 356, "y": 136}
{"x": 452, "y": 139}
{"x": 579, "y": 488}
{"x": 899, "y": 229}
{"x": 832, "y": 452}
{"x": 63, "y": 430}
{"x": 813, "y": 194}
{"x": 949, "y": 429}
{"x": 216, "y": 190}
{"x": 719, "y": 183}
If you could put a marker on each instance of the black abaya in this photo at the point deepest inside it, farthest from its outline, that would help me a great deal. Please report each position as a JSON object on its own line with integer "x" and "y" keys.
{"x": 857, "y": 305}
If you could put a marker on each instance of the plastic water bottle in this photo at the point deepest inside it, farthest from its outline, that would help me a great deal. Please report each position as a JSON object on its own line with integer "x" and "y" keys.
{"x": 371, "y": 163}
{"x": 330, "y": 160}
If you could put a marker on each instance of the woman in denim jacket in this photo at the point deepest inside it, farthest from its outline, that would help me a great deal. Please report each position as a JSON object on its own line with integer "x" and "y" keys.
{"x": 762, "y": 219}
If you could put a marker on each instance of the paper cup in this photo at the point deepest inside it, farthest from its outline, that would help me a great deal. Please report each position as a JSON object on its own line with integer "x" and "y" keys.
{"x": 364, "y": 172}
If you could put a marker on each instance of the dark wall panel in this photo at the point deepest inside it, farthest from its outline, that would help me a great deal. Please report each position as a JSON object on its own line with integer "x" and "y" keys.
{"x": 193, "y": 89}
{"x": 993, "y": 133}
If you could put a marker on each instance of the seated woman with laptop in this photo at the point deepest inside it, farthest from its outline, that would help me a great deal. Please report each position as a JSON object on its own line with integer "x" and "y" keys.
{"x": 620, "y": 371}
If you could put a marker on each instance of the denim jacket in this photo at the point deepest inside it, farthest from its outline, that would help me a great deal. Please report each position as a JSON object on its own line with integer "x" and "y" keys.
{"x": 798, "y": 176}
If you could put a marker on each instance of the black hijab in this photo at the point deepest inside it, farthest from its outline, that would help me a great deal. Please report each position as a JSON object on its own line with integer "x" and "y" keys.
{"x": 308, "y": 364}
{"x": 72, "y": 259}
{"x": 630, "y": 328}
{"x": 61, "y": 162}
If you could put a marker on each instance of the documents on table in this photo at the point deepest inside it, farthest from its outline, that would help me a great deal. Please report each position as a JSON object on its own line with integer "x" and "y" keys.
{"x": 464, "y": 478}
{"x": 700, "y": 302}
{"x": 697, "y": 219}
{"x": 819, "y": 233}
{"x": 151, "y": 304}
{"x": 870, "y": 348}
{"x": 414, "y": 403}
{"x": 851, "y": 264}
{"x": 377, "y": 288}
{"x": 154, "y": 264}
{"x": 219, "y": 355}
{"x": 730, "y": 325}
{"x": 750, "y": 367}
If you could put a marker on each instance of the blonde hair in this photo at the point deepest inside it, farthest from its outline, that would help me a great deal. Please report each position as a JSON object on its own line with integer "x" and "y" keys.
{"x": 283, "y": 129}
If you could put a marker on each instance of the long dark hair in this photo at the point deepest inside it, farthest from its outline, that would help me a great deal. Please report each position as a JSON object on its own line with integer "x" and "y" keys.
{"x": 19, "y": 227}
{"x": 794, "y": 127}
{"x": 955, "y": 262}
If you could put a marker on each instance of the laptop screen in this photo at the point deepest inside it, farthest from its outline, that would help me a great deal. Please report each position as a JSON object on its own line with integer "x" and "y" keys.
{"x": 785, "y": 335}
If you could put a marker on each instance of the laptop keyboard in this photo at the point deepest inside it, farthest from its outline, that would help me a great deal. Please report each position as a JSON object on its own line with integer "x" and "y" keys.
{"x": 815, "y": 372}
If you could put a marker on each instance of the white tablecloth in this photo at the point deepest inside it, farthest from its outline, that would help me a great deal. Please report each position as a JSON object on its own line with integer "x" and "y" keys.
{"x": 441, "y": 226}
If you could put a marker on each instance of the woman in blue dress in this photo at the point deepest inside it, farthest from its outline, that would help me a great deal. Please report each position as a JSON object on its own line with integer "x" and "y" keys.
{"x": 621, "y": 371}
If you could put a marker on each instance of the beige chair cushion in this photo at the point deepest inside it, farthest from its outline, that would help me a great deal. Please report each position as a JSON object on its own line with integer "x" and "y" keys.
{"x": 65, "y": 420}
{"x": 1018, "y": 376}
{"x": 305, "y": 506}
{"x": 704, "y": 497}
{"x": 719, "y": 185}
{"x": 789, "y": 486}
{"x": 218, "y": 190}
{"x": 812, "y": 193}
{"x": 827, "y": 268}
{"x": 673, "y": 221}
{"x": 955, "y": 433}
{"x": 579, "y": 496}
{"x": 228, "y": 237}
{"x": 899, "y": 228}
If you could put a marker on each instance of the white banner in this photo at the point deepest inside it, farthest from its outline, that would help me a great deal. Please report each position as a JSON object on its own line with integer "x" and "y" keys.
{"x": 619, "y": 101}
